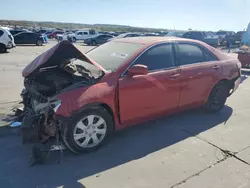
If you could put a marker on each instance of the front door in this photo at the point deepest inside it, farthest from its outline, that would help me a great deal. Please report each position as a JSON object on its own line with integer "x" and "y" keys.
{"x": 200, "y": 71}
{"x": 145, "y": 96}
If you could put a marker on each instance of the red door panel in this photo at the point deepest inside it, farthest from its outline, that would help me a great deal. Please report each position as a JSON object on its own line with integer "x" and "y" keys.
{"x": 197, "y": 81}
{"x": 146, "y": 96}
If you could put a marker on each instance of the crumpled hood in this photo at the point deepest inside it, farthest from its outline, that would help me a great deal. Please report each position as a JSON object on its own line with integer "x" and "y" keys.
{"x": 57, "y": 55}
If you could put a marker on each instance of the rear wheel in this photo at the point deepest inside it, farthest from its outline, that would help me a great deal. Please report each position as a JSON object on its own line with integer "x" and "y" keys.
{"x": 39, "y": 43}
{"x": 73, "y": 39}
{"x": 93, "y": 43}
{"x": 3, "y": 48}
{"x": 217, "y": 98}
{"x": 88, "y": 130}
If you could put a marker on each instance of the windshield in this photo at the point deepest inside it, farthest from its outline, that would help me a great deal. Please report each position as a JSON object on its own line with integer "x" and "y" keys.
{"x": 113, "y": 54}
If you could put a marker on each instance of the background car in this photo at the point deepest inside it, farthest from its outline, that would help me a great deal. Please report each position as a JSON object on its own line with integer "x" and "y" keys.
{"x": 54, "y": 33}
{"x": 16, "y": 31}
{"x": 6, "y": 40}
{"x": 100, "y": 39}
{"x": 29, "y": 38}
{"x": 127, "y": 35}
{"x": 175, "y": 34}
{"x": 206, "y": 37}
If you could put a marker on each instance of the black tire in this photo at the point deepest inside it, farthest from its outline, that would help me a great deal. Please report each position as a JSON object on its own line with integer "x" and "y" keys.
{"x": 73, "y": 39}
{"x": 3, "y": 48}
{"x": 217, "y": 98}
{"x": 93, "y": 43}
{"x": 39, "y": 42}
{"x": 68, "y": 132}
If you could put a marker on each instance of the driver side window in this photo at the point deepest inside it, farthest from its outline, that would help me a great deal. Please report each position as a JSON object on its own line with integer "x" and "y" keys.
{"x": 158, "y": 57}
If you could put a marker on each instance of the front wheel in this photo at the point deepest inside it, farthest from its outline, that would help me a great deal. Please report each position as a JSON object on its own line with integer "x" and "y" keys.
{"x": 217, "y": 98}
{"x": 88, "y": 130}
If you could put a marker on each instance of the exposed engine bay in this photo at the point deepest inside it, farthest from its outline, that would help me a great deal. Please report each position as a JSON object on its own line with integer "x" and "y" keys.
{"x": 42, "y": 85}
{"x": 38, "y": 96}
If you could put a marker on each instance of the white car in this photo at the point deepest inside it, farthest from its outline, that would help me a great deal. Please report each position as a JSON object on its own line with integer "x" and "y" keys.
{"x": 6, "y": 40}
{"x": 63, "y": 36}
{"x": 83, "y": 34}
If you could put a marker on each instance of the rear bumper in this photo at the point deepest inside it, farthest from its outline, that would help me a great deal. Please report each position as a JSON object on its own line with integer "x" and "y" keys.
{"x": 11, "y": 45}
{"x": 236, "y": 84}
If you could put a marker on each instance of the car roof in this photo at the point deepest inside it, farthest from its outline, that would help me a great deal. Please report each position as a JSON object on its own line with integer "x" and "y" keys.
{"x": 153, "y": 40}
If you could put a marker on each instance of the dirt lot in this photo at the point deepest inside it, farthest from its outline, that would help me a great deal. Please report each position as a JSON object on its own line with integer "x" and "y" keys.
{"x": 189, "y": 150}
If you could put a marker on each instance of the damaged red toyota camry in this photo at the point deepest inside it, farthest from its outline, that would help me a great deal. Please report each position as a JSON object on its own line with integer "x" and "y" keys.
{"x": 82, "y": 98}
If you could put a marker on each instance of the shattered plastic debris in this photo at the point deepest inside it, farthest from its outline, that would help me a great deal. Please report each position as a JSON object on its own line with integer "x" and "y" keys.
{"x": 16, "y": 124}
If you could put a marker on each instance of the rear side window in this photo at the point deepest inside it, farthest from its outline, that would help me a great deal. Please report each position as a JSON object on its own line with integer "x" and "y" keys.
{"x": 1, "y": 33}
{"x": 158, "y": 57}
{"x": 209, "y": 56}
{"x": 190, "y": 54}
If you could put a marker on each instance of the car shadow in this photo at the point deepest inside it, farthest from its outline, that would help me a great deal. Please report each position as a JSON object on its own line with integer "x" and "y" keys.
{"x": 124, "y": 146}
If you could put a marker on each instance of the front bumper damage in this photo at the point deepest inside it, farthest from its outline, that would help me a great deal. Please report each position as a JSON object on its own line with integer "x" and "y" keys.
{"x": 40, "y": 128}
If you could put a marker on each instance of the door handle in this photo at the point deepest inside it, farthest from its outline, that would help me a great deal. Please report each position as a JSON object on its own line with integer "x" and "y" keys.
{"x": 216, "y": 67}
{"x": 174, "y": 76}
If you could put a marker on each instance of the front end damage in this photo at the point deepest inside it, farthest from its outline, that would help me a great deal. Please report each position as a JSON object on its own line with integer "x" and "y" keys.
{"x": 60, "y": 69}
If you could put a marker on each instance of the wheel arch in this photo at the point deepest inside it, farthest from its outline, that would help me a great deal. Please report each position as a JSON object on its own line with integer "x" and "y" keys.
{"x": 223, "y": 80}
{"x": 103, "y": 105}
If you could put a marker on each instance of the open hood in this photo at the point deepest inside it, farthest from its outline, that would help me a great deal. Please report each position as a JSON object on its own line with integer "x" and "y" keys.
{"x": 57, "y": 55}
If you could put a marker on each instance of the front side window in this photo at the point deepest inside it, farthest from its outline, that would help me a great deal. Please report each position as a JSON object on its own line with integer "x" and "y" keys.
{"x": 1, "y": 33}
{"x": 190, "y": 54}
{"x": 158, "y": 57}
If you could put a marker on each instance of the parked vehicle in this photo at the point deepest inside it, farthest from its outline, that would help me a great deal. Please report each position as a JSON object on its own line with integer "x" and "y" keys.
{"x": 83, "y": 98}
{"x": 54, "y": 33}
{"x": 42, "y": 31}
{"x": 127, "y": 35}
{"x": 239, "y": 36}
{"x": 6, "y": 40}
{"x": 222, "y": 36}
{"x": 14, "y": 32}
{"x": 83, "y": 34}
{"x": 202, "y": 36}
{"x": 64, "y": 36}
{"x": 30, "y": 38}
{"x": 175, "y": 34}
{"x": 151, "y": 34}
{"x": 100, "y": 39}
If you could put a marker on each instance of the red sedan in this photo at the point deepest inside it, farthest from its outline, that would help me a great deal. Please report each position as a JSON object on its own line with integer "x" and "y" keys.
{"x": 84, "y": 97}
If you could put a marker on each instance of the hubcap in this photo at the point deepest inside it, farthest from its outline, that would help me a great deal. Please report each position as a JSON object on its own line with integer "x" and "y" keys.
{"x": 90, "y": 131}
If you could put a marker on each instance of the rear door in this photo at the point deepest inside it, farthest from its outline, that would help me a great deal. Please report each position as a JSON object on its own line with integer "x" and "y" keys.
{"x": 100, "y": 39}
{"x": 19, "y": 38}
{"x": 200, "y": 70}
{"x": 144, "y": 96}
{"x": 32, "y": 38}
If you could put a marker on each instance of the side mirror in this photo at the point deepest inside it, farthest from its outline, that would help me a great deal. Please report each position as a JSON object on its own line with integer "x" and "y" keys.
{"x": 137, "y": 70}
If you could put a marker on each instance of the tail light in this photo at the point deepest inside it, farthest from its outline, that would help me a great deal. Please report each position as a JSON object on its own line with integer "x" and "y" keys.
{"x": 239, "y": 65}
